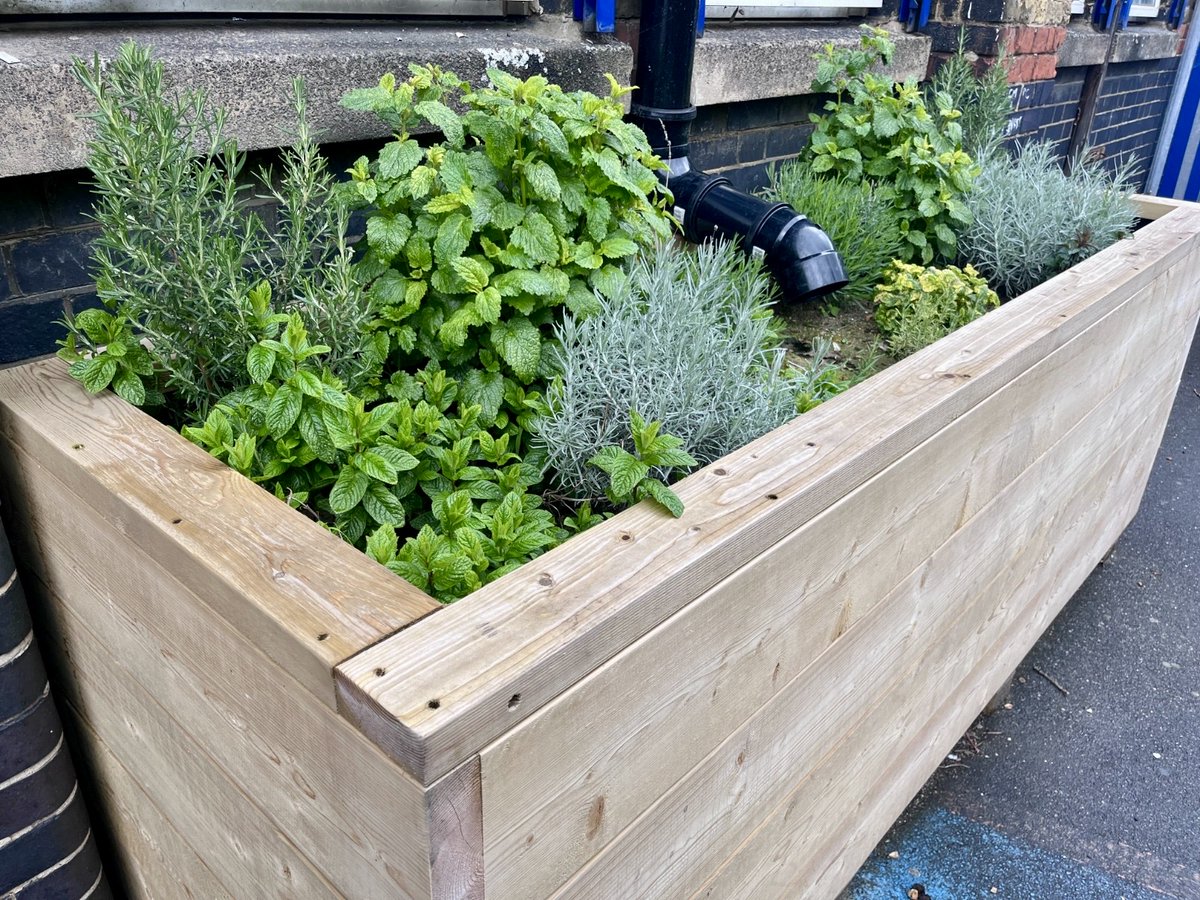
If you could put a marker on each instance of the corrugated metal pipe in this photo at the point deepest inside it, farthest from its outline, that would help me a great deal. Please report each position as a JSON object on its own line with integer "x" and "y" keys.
{"x": 797, "y": 252}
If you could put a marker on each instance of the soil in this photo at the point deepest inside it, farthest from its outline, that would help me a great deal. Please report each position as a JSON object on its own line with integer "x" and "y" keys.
{"x": 856, "y": 341}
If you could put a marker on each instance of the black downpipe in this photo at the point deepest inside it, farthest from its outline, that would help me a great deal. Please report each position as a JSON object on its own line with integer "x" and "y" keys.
{"x": 797, "y": 252}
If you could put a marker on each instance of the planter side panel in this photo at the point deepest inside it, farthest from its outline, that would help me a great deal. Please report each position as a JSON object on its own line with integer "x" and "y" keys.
{"x": 496, "y": 658}
{"x": 847, "y": 640}
{"x": 304, "y": 595}
{"x": 218, "y": 768}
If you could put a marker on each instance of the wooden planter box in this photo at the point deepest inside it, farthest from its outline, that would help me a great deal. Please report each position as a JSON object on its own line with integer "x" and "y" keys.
{"x": 737, "y": 703}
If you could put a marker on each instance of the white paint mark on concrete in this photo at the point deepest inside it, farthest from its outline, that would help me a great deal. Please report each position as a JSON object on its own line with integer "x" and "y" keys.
{"x": 512, "y": 57}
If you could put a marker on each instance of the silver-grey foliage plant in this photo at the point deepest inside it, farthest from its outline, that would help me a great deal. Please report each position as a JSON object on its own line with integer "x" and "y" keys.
{"x": 1032, "y": 221}
{"x": 690, "y": 343}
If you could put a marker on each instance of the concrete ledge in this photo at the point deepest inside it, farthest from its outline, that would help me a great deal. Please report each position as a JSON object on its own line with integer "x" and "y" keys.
{"x": 1085, "y": 47}
{"x": 248, "y": 69}
{"x": 736, "y": 63}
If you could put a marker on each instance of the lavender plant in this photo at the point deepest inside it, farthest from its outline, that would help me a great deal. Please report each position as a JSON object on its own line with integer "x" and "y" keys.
{"x": 688, "y": 342}
{"x": 1031, "y": 220}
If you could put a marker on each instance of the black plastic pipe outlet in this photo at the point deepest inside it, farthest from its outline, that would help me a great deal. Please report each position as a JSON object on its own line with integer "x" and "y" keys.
{"x": 797, "y": 252}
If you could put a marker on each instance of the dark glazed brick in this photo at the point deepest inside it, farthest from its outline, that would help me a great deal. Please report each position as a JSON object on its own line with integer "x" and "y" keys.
{"x": 21, "y": 206}
{"x": 28, "y": 738}
{"x": 981, "y": 39}
{"x": 752, "y": 146}
{"x": 710, "y": 120}
{"x": 713, "y": 154}
{"x": 52, "y": 262}
{"x": 749, "y": 178}
{"x": 77, "y": 303}
{"x": 5, "y": 281}
{"x": 753, "y": 114}
{"x": 46, "y": 844}
{"x": 29, "y": 328}
{"x": 69, "y": 199}
{"x": 986, "y": 10}
{"x": 788, "y": 140}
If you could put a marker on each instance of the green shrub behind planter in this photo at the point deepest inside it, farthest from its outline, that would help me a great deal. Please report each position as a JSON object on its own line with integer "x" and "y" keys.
{"x": 860, "y": 221}
{"x": 883, "y": 131}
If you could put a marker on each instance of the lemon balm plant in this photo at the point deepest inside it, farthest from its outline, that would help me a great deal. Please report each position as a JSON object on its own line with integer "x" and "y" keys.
{"x": 884, "y": 132}
{"x": 531, "y": 201}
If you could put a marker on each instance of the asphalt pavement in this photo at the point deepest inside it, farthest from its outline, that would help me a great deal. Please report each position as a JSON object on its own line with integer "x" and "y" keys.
{"x": 1086, "y": 785}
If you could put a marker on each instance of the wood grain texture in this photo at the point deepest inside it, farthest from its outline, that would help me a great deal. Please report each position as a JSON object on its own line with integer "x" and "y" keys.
{"x": 196, "y": 797}
{"x": 306, "y": 597}
{"x": 935, "y": 623}
{"x": 455, "y": 813}
{"x": 785, "y": 857}
{"x": 538, "y": 631}
{"x": 152, "y": 859}
{"x": 660, "y": 706}
{"x": 233, "y": 714}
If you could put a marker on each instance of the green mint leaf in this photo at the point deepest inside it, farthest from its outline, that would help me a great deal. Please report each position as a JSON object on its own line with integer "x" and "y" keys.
{"x": 349, "y": 489}
{"x": 129, "y": 387}
{"x": 399, "y": 158}
{"x": 381, "y": 544}
{"x": 520, "y": 345}
{"x": 444, "y": 119}
{"x": 283, "y": 410}
{"x": 260, "y": 362}
{"x": 382, "y": 505}
{"x": 664, "y": 495}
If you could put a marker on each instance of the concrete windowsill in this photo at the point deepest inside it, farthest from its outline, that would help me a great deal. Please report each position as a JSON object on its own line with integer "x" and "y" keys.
{"x": 248, "y": 69}
{"x": 1086, "y": 47}
{"x": 736, "y": 63}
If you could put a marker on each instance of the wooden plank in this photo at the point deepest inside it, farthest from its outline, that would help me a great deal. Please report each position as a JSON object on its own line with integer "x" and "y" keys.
{"x": 455, "y": 813}
{"x": 721, "y": 657}
{"x": 547, "y": 625}
{"x": 1151, "y": 207}
{"x": 190, "y": 791}
{"x": 149, "y": 858}
{"x": 308, "y": 599}
{"x": 785, "y": 858}
{"x": 959, "y": 594}
{"x": 308, "y": 768}
{"x": 152, "y": 860}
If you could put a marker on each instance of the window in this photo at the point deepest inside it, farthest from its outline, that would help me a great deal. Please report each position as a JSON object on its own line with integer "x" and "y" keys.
{"x": 717, "y": 10}
{"x": 38, "y": 8}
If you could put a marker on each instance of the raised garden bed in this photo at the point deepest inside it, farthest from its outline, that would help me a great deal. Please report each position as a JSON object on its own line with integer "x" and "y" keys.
{"x": 735, "y": 703}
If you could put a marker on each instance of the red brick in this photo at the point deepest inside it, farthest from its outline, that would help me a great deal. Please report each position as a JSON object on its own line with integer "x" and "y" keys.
{"x": 1045, "y": 66}
{"x": 1020, "y": 69}
{"x": 1026, "y": 39}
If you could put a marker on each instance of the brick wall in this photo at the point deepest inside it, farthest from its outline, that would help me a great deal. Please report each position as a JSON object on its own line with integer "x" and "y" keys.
{"x": 44, "y": 245}
{"x": 1129, "y": 112}
{"x": 1046, "y": 110}
{"x": 743, "y": 140}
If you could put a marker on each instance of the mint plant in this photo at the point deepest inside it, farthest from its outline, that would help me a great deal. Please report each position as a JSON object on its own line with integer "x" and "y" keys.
{"x": 532, "y": 200}
{"x": 884, "y": 132}
{"x": 644, "y": 472}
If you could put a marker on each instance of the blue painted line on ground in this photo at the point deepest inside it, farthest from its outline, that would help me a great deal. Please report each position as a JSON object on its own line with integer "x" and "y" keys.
{"x": 956, "y": 858}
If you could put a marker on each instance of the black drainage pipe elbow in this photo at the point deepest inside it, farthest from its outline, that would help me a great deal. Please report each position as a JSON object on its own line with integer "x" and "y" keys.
{"x": 798, "y": 254}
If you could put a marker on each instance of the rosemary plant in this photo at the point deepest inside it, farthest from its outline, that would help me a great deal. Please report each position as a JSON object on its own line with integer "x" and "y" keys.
{"x": 181, "y": 266}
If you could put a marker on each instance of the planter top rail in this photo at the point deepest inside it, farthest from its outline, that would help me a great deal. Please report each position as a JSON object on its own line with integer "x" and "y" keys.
{"x": 444, "y": 688}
